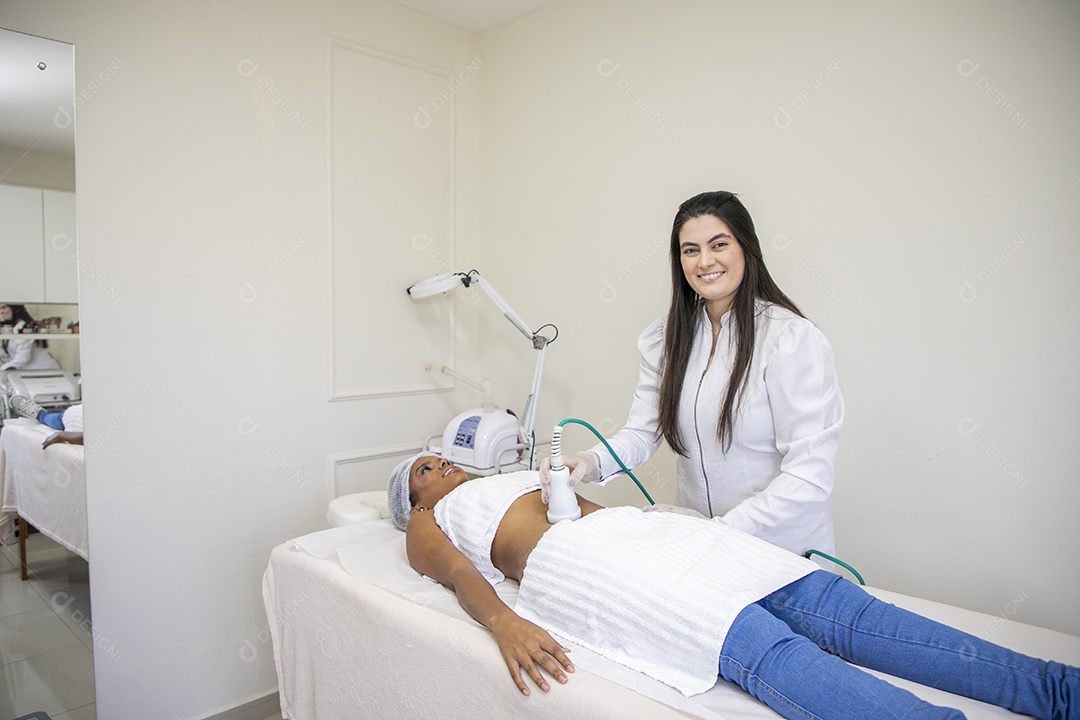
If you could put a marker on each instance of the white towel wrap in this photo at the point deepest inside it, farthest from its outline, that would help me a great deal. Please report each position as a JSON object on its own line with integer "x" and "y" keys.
{"x": 471, "y": 513}
{"x": 654, "y": 591}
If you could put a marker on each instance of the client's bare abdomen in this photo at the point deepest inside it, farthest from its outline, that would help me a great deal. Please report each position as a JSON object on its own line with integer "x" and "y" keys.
{"x": 521, "y": 528}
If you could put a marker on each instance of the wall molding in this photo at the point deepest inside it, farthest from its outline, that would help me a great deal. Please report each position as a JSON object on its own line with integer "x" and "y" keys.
{"x": 336, "y": 393}
{"x": 339, "y": 460}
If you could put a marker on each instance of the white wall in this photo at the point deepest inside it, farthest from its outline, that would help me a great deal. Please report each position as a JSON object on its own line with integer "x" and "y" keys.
{"x": 897, "y": 181}
{"x": 208, "y": 401}
{"x": 928, "y": 227}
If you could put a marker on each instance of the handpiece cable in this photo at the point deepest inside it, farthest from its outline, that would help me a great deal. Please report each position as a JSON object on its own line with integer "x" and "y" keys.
{"x": 648, "y": 497}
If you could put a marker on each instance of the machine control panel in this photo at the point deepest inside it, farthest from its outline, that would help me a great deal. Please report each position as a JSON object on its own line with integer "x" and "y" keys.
{"x": 466, "y": 432}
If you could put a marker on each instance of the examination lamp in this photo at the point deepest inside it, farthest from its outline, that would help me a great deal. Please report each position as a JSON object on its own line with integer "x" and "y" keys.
{"x": 485, "y": 438}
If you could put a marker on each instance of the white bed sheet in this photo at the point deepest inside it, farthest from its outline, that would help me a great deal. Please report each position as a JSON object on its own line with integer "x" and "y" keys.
{"x": 46, "y": 487}
{"x": 346, "y": 645}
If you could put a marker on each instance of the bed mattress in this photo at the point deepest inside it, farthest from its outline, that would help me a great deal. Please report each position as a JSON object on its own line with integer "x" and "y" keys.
{"x": 46, "y": 487}
{"x": 358, "y": 633}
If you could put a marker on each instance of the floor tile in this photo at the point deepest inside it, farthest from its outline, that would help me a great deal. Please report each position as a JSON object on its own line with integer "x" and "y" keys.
{"x": 86, "y": 712}
{"x": 18, "y": 597}
{"x": 65, "y": 577}
{"x": 33, "y": 633}
{"x": 54, "y": 683}
{"x": 75, "y": 613}
{"x": 7, "y": 572}
{"x": 38, "y": 546}
{"x": 9, "y": 566}
{"x": 50, "y": 559}
{"x": 46, "y": 663}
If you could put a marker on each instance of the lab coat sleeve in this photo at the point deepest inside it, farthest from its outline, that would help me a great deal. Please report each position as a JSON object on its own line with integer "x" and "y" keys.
{"x": 20, "y": 352}
{"x": 639, "y": 438}
{"x": 808, "y": 410}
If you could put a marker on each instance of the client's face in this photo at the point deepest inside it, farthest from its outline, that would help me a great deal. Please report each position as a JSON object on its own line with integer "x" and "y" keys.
{"x": 5, "y": 313}
{"x": 432, "y": 478}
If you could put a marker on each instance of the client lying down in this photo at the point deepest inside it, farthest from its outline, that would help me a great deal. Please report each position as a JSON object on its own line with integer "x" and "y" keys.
{"x": 683, "y": 599}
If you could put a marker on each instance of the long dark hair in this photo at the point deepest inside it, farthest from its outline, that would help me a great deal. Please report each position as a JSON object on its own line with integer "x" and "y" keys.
{"x": 19, "y": 313}
{"x": 686, "y": 307}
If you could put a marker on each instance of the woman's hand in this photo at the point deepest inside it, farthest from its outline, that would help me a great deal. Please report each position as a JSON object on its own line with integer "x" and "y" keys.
{"x": 528, "y": 647}
{"x": 583, "y": 466}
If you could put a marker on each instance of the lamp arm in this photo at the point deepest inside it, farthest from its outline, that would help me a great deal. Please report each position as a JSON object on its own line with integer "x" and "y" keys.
{"x": 539, "y": 342}
{"x": 451, "y": 280}
{"x": 508, "y": 311}
{"x": 528, "y": 421}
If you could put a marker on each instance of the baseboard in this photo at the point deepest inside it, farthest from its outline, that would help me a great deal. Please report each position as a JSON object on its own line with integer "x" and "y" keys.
{"x": 258, "y": 709}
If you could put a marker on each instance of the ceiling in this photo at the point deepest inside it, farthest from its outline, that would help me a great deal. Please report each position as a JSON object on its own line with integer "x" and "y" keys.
{"x": 35, "y": 103}
{"x": 32, "y": 99}
{"x": 474, "y": 15}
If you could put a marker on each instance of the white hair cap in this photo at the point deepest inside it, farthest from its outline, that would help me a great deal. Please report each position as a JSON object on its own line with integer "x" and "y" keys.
{"x": 397, "y": 491}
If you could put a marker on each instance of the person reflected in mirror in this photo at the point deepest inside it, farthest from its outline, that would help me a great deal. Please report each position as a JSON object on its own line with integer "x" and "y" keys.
{"x": 69, "y": 422}
{"x": 18, "y": 352}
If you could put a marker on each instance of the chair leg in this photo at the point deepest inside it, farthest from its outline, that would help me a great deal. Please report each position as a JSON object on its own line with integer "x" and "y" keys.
{"x": 24, "y": 530}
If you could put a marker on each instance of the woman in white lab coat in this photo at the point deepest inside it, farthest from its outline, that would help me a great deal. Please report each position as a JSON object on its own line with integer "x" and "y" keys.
{"x": 741, "y": 386}
{"x": 19, "y": 352}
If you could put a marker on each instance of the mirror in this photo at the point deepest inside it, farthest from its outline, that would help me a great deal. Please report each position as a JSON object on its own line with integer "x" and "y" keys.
{"x": 44, "y": 620}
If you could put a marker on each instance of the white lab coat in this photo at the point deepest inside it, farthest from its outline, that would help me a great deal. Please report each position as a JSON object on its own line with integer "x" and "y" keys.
{"x": 776, "y": 479}
{"x": 18, "y": 352}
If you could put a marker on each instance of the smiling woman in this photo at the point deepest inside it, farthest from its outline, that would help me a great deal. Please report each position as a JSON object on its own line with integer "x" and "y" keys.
{"x": 741, "y": 385}
{"x": 713, "y": 264}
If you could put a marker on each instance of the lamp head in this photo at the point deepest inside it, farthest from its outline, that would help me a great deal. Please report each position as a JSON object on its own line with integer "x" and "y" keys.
{"x": 438, "y": 284}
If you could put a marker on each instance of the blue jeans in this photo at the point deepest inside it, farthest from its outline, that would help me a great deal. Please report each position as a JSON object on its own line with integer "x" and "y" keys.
{"x": 55, "y": 420}
{"x": 785, "y": 650}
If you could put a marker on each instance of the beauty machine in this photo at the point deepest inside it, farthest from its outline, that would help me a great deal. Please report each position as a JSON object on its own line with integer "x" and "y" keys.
{"x": 488, "y": 439}
{"x": 52, "y": 389}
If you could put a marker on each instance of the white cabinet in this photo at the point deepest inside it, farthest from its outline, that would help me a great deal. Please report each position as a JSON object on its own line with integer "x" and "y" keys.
{"x": 37, "y": 246}
{"x": 22, "y": 262}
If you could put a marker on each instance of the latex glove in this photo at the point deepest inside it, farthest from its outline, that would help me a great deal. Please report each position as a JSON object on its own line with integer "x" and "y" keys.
{"x": 677, "y": 509}
{"x": 584, "y": 467}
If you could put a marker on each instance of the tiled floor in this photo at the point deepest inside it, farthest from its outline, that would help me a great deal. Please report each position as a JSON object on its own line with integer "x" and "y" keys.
{"x": 46, "y": 663}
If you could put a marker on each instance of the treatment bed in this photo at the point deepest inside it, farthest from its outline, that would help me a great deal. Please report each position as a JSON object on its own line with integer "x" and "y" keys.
{"x": 45, "y": 488}
{"x": 357, "y": 633}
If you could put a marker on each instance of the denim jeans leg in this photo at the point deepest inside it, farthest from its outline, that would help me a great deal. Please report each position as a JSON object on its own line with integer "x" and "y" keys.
{"x": 801, "y": 681}
{"x": 55, "y": 420}
{"x": 844, "y": 619}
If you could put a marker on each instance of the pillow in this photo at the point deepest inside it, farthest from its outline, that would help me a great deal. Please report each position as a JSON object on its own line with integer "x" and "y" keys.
{"x": 358, "y": 507}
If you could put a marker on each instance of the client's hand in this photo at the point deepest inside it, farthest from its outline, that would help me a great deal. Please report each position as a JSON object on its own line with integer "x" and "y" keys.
{"x": 528, "y": 647}
{"x": 584, "y": 467}
{"x": 72, "y": 438}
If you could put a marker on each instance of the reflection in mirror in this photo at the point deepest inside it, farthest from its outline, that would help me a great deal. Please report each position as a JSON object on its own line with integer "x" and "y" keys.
{"x": 46, "y": 639}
